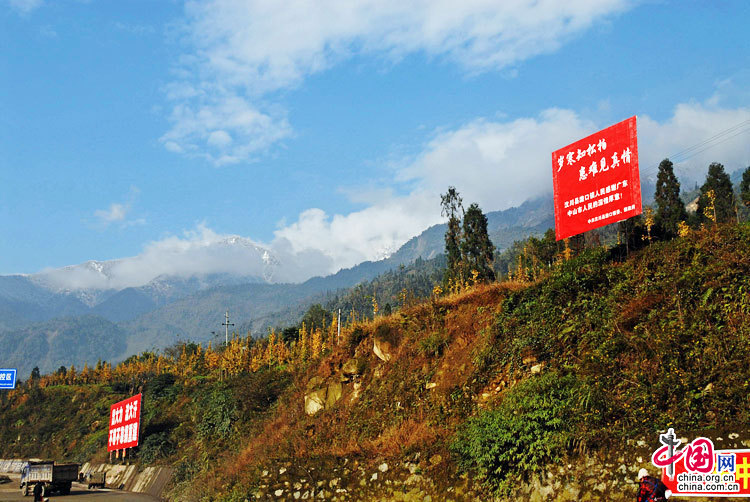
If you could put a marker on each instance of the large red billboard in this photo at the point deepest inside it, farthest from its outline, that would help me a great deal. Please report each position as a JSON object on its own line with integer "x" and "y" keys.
{"x": 596, "y": 180}
{"x": 124, "y": 423}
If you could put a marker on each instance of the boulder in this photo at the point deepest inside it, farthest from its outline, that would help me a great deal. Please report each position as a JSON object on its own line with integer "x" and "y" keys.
{"x": 314, "y": 382}
{"x": 335, "y": 390}
{"x": 350, "y": 367}
{"x": 382, "y": 349}
{"x": 315, "y": 401}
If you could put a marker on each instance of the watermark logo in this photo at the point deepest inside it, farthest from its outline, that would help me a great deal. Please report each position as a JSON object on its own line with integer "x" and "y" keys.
{"x": 697, "y": 469}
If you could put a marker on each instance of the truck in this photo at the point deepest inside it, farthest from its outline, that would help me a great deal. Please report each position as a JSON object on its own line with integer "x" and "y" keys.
{"x": 54, "y": 477}
{"x": 97, "y": 480}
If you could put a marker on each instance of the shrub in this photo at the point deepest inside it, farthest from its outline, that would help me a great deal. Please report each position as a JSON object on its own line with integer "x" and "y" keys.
{"x": 357, "y": 335}
{"x": 386, "y": 333}
{"x": 216, "y": 414}
{"x": 433, "y": 344}
{"x": 161, "y": 385}
{"x": 155, "y": 446}
{"x": 529, "y": 430}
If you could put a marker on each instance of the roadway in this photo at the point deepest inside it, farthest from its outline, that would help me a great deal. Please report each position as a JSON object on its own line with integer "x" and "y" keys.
{"x": 10, "y": 492}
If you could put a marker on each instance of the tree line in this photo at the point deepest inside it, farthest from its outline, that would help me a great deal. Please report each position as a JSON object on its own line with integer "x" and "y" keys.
{"x": 471, "y": 255}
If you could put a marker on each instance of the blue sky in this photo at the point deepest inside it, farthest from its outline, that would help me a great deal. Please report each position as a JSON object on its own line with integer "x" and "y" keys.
{"x": 327, "y": 127}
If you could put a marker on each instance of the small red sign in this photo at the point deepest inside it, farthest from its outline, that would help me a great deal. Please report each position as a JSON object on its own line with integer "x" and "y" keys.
{"x": 596, "y": 180}
{"x": 124, "y": 423}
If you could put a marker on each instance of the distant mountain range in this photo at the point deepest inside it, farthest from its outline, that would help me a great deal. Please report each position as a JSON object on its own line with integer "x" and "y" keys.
{"x": 89, "y": 311}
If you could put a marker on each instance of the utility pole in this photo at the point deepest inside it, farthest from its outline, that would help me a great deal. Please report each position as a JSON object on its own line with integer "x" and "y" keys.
{"x": 226, "y": 325}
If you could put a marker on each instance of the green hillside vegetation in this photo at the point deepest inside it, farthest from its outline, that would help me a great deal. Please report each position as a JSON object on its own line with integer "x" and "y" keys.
{"x": 50, "y": 344}
{"x": 618, "y": 349}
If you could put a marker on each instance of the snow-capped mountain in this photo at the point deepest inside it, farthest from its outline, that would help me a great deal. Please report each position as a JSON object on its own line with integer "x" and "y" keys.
{"x": 164, "y": 266}
{"x": 180, "y": 288}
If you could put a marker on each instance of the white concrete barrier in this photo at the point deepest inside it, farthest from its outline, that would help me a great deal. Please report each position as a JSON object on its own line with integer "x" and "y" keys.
{"x": 152, "y": 480}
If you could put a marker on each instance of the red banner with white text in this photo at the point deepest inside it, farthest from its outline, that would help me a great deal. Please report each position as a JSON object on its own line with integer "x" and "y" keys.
{"x": 596, "y": 180}
{"x": 124, "y": 423}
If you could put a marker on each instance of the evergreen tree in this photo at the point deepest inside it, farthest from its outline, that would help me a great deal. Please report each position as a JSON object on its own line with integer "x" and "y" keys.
{"x": 452, "y": 204}
{"x": 745, "y": 187}
{"x": 718, "y": 181}
{"x": 476, "y": 248}
{"x": 670, "y": 210}
{"x": 317, "y": 317}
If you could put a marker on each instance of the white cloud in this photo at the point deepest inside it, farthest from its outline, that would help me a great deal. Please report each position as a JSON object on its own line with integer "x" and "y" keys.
{"x": 239, "y": 52}
{"x": 500, "y": 165}
{"x": 497, "y": 164}
{"x": 696, "y": 135}
{"x": 25, "y": 7}
{"x": 370, "y": 234}
{"x": 118, "y": 212}
{"x": 201, "y": 127}
{"x": 196, "y": 253}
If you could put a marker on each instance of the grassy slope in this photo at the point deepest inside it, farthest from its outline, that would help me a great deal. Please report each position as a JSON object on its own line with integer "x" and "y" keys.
{"x": 627, "y": 348}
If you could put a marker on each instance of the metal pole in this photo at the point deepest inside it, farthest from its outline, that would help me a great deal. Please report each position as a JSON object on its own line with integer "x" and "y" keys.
{"x": 226, "y": 328}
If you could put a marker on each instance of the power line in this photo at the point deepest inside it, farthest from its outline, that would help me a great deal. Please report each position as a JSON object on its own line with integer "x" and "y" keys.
{"x": 714, "y": 137}
{"x": 708, "y": 143}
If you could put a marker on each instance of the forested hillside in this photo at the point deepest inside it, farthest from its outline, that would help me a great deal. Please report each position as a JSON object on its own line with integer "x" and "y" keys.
{"x": 499, "y": 381}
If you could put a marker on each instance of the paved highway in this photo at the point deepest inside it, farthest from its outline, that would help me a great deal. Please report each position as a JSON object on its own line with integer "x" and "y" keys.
{"x": 10, "y": 492}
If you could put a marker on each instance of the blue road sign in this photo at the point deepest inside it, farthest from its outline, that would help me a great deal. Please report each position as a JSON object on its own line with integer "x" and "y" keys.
{"x": 8, "y": 378}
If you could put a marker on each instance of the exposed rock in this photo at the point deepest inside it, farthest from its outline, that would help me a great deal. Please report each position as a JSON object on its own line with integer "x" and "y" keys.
{"x": 529, "y": 360}
{"x": 382, "y": 349}
{"x": 430, "y": 385}
{"x": 357, "y": 390}
{"x": 383, "y": 467}
{"x": 537, "y": 368}
{"x": 413, "y": 479}
{"x": 315, "y": 401}
{"x": 334, "y": 393}
{"x": 314, "y": 382}
{"x": 350, "y": 367}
